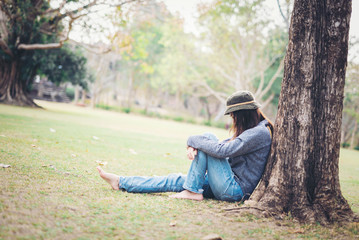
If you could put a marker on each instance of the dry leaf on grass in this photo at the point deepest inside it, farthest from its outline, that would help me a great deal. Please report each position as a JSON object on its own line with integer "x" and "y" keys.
{"x": 212, "y": 236}
{"x": 173, "y": 224}
{"x": 101, "y": 163}
{"x": 300, "y": 230}
{"x": 4, "y": 165}
{"x": 132, "y": 151}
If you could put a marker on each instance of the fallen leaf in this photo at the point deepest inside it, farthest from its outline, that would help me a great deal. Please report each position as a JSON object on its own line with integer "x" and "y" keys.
{"x": 33, "y": 145}
{"x": 173, "y": 224}
{"x": 4, "y": 165}
{"x": 52, "y": 130}
{"x": 298, "y": 230}
{"x": 212, "y": 236}
{"x": 101, "y": 163}
{"x": 132, "y": 151}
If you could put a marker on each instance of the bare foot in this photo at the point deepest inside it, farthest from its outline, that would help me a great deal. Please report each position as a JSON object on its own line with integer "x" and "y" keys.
{"x": 111, "y": 178}
{"x": 188, "y": 195}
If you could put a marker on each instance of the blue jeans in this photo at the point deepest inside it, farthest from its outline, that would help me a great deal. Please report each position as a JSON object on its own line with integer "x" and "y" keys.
{"x": 207, "y": 175}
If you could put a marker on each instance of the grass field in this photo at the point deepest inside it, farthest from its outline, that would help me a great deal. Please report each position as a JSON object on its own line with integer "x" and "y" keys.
{"x": 52, "y": 189}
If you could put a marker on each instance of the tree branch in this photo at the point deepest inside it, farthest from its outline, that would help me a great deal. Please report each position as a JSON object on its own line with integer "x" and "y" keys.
{"x": 218, "y": 95}
{"x": 56, "y": 9}
{"x": 267, "y": 101}
{"x": 5, "y": 47}
{"x": 90, "y": 48}
{"x": 225, "y": 75}
{"x": 274, "y": 77}
{"x": 50, "y": 45}
{"x": 281, "y": 13}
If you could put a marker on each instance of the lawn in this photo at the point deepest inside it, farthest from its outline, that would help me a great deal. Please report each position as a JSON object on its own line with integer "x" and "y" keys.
{"x": 52, "y": 189}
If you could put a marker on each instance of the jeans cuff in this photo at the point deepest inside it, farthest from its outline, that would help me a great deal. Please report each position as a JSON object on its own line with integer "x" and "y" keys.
{"x": 119, "y": 183}
{"x": 199, "y": 191}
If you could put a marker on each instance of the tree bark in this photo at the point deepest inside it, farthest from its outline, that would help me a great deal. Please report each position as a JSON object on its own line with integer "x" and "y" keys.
{"x": 12, "y": 88}
{"x": 301, "y": 177}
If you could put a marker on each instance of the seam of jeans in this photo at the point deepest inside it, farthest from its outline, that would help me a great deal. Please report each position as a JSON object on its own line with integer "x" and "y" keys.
{"x": 156, "y": 186}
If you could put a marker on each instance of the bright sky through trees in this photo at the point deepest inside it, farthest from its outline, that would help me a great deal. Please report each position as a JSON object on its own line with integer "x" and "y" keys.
{"x": 188, "y": 10}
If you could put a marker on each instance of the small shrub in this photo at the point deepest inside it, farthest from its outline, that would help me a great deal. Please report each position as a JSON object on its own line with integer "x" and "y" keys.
{"x": 103, "y": 106}
{"x": 178, "y": 119}
{"x": 345, "y": 145}
{"x": 191, "y": 120}
{"x": 207, "y": 123}
{"x": 220, "y": 125}
{"x": 143, "y": 112}
{"x": 126, "y": 110}
{"x": 70, "y": 93}
{"x": 356, "y": 147}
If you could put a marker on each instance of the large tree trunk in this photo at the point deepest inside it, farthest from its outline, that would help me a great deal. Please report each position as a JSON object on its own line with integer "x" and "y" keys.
{"x": 12, "y": 88}
{"x": 301, "y": 177}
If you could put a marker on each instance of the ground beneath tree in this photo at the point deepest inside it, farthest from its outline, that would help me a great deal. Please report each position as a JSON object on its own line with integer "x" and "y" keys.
{"x": 52, "y": 189}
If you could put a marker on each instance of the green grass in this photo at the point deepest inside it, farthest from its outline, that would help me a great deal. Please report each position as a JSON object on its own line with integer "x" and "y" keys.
{"x": 52, "y": 189}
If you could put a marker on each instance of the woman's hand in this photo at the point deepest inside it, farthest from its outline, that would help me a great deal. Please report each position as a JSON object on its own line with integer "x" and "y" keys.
{"x": 191, "y": 153}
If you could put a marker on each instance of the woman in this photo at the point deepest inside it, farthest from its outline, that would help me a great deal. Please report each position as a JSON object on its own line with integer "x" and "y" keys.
{"x": 227, "y": 170}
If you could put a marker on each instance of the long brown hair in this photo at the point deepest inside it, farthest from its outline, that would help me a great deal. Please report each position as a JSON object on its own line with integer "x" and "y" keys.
{"x": 246, "y": 119}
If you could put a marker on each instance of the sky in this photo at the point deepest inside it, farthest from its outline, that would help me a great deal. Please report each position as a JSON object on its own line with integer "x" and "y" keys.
{"x": 188, "y": 10}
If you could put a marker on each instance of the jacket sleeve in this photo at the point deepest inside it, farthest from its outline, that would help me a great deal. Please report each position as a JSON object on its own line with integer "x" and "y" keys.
{"x": 249, "y": 141}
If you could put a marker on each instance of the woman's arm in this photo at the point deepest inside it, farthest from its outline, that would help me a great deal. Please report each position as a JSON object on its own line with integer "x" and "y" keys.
{"x": 249, "y": 141}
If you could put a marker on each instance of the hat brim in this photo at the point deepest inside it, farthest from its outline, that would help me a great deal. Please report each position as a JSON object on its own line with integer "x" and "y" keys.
{"x": 248, "y": 106}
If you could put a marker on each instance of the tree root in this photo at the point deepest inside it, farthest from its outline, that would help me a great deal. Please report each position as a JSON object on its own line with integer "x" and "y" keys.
{"x": 255, "y": 209}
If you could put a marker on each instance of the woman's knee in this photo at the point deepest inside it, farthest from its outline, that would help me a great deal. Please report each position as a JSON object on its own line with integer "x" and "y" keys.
{"x": 210, "y": 136}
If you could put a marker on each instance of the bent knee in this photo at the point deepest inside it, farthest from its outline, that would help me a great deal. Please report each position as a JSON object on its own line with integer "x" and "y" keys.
{"x": 210, "y": 136}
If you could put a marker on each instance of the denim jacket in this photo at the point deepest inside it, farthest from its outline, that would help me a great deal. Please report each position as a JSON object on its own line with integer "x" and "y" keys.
{"x": 247, "y": 154}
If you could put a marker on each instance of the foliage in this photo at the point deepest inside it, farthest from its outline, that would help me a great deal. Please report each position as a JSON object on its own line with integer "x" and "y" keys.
{"x": 24, "y": 23}
{"x": 64, "y": 64}
{"x": 70, "y": 92}
{"x": 28, "y": 26}
{"x": 351, "y": 107}
{"x": 245, "y": 50}
{"x": 158, "y": 60}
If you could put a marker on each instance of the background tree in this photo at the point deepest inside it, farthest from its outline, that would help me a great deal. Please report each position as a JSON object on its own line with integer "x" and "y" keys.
{"x": 247, "y": 52}
{"x": 301, "y": 176}
{"x": 30, "y": 25}
{"x": 66, "y": 64}
{"x": 351, "y": 107}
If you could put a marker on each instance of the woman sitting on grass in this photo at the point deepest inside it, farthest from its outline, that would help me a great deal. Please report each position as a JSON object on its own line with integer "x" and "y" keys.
{"x": 228, "y": 170}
